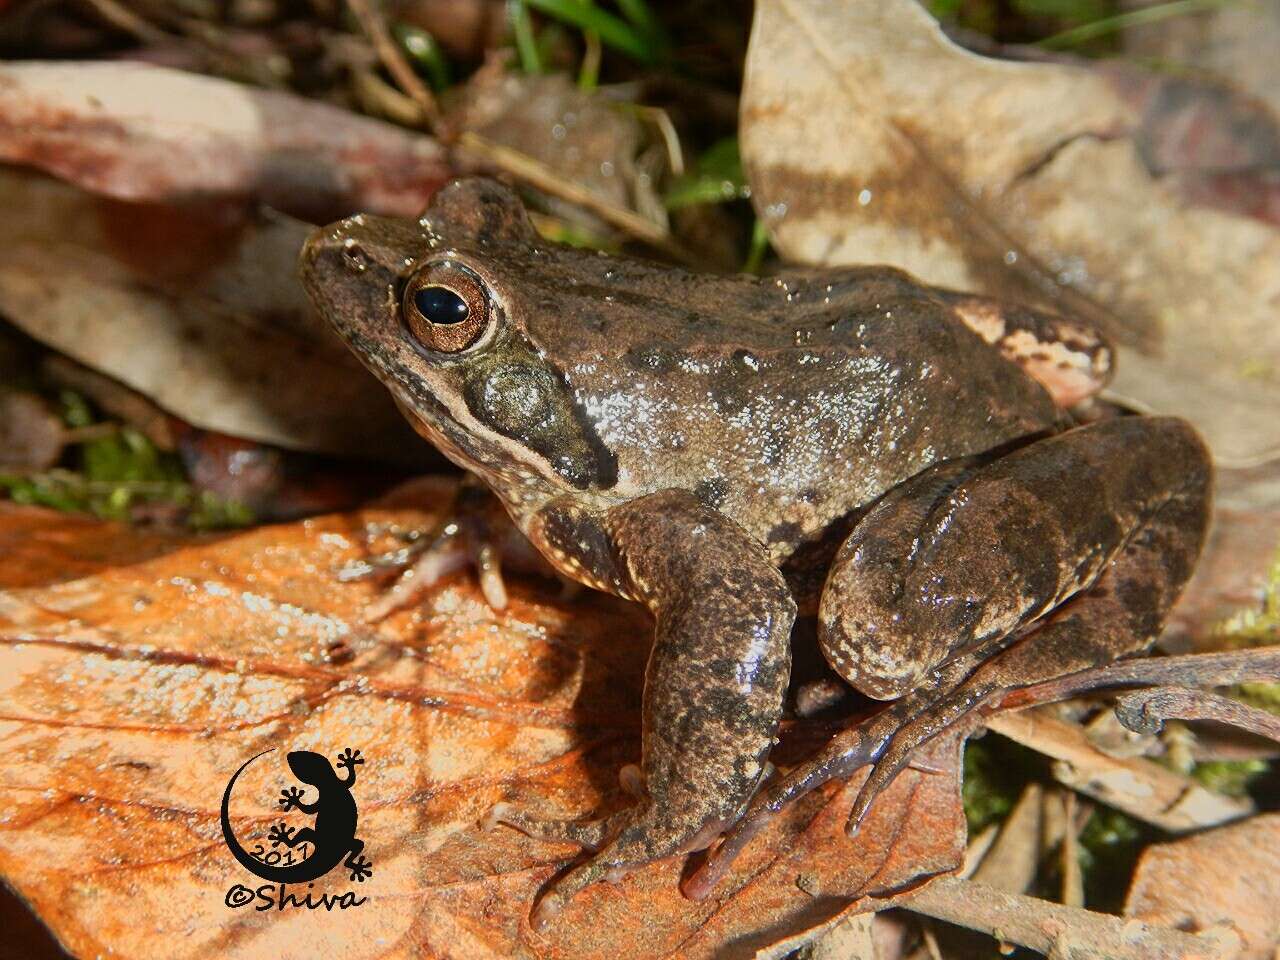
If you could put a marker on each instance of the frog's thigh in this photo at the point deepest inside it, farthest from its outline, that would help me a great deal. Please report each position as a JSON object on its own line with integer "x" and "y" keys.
{"x": 963, "y": 556}
{"x": 714, "y": 685}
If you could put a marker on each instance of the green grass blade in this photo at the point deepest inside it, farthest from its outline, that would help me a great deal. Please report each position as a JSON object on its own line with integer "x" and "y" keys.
{"x": 522, "y": 33}
{"x": 1123, "y": 21}
{"x": 612, "y": 31}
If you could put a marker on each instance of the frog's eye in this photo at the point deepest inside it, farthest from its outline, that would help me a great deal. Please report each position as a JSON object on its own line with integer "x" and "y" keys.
{"x": 446, "y": 307}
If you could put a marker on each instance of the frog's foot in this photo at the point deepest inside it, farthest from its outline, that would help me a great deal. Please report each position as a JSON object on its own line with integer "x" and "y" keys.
{"x": 475, "y": 533}
{"x": 886, "y": 741}
{"x": 588, "y": 834}
{"x": 636, "y": 837}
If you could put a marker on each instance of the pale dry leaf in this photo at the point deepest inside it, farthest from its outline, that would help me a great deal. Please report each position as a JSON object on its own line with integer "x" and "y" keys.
{"x": 1139, "y": 787}
{"x": 1055, "y": 930}
{"x": 868, "y": 136}
{"x": 129, "y": 696}
{"x": 138, "y": 132}
{"x": 1221, "y": 877}
{"x": 198, "y": 307}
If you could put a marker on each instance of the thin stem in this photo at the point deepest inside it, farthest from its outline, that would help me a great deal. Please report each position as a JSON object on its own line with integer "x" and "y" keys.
{"x": 1123, "y": 21}
{"x": 522, "y": 32}
{"x": 759, "y": 244}
{"x": 538, "y": 175}
{"x": 589, "y": 72}
{"x": 393, "y": 58}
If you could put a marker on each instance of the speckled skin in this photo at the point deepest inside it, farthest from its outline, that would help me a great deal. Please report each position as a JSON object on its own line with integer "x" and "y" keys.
{"x": 704, "y": 445}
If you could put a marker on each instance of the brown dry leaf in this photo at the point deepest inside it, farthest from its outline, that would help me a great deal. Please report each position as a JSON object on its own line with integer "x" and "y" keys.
{"x": 870, "y": 137}
{"x": 131, "y": 695}
{"x": 139, "y": 132}
{"x": 197, "y": 306}
{"x": 1222, "y": 877}
{"x": 1237, "y": 565}
{"x": 31, "y": 434}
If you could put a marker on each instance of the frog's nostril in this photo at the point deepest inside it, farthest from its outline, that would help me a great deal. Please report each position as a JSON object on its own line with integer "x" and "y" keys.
{"x": 354, "y": 256}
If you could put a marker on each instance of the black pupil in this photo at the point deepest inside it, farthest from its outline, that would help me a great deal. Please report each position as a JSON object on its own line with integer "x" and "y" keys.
{"x": 440, "y": 305}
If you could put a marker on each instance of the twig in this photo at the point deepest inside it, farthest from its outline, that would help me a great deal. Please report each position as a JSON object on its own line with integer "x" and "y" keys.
{"x": 393, "y": 58}
{"x": 1059, "y": 931}
{"x": 1072, "y": 875}
{"x": 977, "y": 849}
{"x": 1261, "y": 665}
{"x": 1146, "y": 711}
{"x": 1012, "y": 863}
{"x": 125, "y": 19}
{"x": 538, "y": 175}
{"x": 1142, "y": 789}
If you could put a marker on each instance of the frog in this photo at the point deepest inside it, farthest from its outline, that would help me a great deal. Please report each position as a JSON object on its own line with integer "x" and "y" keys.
{"x": 905, "y": 465}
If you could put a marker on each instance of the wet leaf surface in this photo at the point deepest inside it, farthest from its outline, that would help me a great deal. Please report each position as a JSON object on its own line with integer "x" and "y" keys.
{"x": 130, "y": 695}
{"x": 869, "y": 137}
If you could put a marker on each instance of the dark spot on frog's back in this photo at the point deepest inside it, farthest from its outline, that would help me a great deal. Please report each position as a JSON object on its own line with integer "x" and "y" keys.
{"x": 712, "y": 492}
{"x": 651, "y": 358}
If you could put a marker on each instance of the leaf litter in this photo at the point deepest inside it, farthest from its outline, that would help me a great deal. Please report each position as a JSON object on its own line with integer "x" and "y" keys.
{"x": 109, "y": 626}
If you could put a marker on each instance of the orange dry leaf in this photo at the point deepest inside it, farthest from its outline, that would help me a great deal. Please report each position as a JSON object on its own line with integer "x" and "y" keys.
{"x": 131, "y": 695}
{"x": 1223, "y": 877}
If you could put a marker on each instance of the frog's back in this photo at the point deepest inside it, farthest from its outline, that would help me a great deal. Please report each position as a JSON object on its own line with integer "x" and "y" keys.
{"x": 785, "y": 403}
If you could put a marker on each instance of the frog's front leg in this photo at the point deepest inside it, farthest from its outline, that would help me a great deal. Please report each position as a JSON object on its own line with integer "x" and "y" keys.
{"x": 978, "y": 578}
{"x": 715, "y": 681}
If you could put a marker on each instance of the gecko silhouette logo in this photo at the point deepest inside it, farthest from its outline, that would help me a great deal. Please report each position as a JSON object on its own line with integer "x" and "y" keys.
{"x": 303, "y": 855}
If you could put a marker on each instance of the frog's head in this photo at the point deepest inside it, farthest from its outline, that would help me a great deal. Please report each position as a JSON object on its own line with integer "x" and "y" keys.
{"x": 431, "y": 307}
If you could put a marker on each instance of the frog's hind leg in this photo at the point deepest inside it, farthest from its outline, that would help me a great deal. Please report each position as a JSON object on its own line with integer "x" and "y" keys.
{"x": 714, "y": 685}
{"x": 1108, "y": 518}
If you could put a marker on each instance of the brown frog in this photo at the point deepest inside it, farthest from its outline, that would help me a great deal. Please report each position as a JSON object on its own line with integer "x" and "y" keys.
{"x": 730, "y": 451}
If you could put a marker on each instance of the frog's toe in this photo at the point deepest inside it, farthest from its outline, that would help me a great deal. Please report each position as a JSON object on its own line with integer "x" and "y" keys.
{"x": 847, "y": 752}
{"x": 589, "y": 834}
{"x": 448, "y": 553}
{"x": 476, "y": 533}
{"x": 645, "y": 836}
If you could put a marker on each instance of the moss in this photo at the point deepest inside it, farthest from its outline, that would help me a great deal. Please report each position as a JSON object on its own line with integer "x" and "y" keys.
{"x": 995, "y": 772}
{"x": 1257, "y": 626}
{"x": 1230, "y": 777}
{"x": 112, "y": 473}
{"x": 1109, "y": 847}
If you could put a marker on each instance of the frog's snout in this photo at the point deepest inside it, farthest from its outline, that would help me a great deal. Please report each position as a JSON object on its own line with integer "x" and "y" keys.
{"x": 328, "y": 248}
